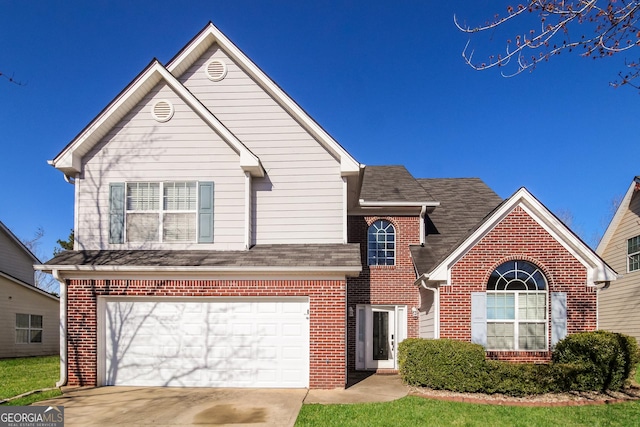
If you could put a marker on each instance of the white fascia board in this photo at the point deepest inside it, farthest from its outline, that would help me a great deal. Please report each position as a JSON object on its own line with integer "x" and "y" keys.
{"x": 373, "y": 204}
{"x": 249, "y": 162}
{"x": 210, "y": 35}
{"x": 69, "y": 161}
{"x": 28, "y": 286}
{"x": 69, "y": 270}
{"x": 601, "y": 272}
{"x": 18, "y": 242}
{"x": 617, "y": 217}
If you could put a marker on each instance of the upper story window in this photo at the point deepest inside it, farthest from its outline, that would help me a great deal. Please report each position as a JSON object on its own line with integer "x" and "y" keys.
{"x": 633, "y": 254}
{"x": 517, "y": 307}
{"x": 28, "y": 328}
{"x": 381, "y": 247}
{"x": 177, "y": 211}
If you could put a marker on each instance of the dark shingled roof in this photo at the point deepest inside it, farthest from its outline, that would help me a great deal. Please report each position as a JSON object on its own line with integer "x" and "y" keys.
{"x": 464, "y": 203}
{"x": 324, "y": 256}
{"x": 391, "y": 184}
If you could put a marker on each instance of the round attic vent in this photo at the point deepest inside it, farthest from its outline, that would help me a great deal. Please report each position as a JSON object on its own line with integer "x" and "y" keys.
{"x": 162, "y": 111}
{"x": 216, "y": 70}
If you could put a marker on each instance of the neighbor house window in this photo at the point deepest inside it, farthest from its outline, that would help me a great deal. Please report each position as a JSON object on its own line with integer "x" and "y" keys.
{"x": 633, "y": 253}
{"x": 177, "y": 211}
{"x": 28, "y": 328}
{"x": 381, "y": 248}
{"x": 516, "y": 307}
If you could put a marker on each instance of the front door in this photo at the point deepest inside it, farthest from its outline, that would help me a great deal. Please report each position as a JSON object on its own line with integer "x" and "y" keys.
{"x": 379, "y": 330}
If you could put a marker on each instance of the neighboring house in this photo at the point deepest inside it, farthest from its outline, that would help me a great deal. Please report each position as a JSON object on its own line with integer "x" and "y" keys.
{"x": 223, "y": 238}
{"x": 619, "y": 304}
{"x": 29, "y": 317}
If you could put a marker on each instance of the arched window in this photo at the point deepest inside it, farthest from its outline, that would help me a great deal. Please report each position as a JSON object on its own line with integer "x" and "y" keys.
{"x": 381, "y": 248}
{"x": 517, "y": 307}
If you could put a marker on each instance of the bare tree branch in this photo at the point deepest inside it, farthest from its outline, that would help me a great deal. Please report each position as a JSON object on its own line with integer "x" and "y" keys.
{"x": 12, "y": 79}
{"x": 603, "y": 27}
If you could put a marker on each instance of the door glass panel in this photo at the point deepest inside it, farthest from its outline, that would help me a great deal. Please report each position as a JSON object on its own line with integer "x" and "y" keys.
{"x": 380, "y": 335}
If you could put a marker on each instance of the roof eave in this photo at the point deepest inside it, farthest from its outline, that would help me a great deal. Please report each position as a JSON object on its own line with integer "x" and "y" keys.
{"x": 351, "y": 271}
{"x": 209, "y": 35}
{"x": 600, "y": 271}
{"x": 69, "y": 160}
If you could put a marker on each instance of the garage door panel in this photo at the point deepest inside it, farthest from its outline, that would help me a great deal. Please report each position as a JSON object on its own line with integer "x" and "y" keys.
{"x": 216, "y": 344}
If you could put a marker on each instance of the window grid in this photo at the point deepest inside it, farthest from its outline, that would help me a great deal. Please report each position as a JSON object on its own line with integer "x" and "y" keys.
{"x": 381, "y": 249}
{"x": 28, "y": 328}
{"x": 173, "y": 220}
{"x": 517, "y": 308}
{"x": 633, "y": 254}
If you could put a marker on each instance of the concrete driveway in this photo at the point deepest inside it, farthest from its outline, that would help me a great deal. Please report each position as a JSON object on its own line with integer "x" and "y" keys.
{"x": 166, "y": 406}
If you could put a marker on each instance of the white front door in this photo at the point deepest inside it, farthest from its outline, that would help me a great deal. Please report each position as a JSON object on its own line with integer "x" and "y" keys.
{"x": 379, "y": 329}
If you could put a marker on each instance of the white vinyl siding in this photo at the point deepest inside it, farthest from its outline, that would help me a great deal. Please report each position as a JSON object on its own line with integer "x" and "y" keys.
{"x": 300, "y": 199}
{"x": 427, "y": 314}
{"x": 18, "y": 299}
{"x": 14, "y": 260}
{"x": 139, "y": 149}
{"x": 617, "y": 309}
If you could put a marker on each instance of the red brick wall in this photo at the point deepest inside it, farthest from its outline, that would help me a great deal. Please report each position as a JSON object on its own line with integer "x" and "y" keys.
{"x": 327, "y": 325}
{"x": 380, "y": 285}
{"x": 517, "y": 236}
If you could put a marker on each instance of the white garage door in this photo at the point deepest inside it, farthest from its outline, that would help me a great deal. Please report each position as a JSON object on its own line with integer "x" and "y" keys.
{"x": 211, "y": 343}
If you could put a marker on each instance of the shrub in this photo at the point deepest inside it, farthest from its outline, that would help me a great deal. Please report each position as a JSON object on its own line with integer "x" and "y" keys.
{"x": 606, "y": 360}
{"x": 443, "y": 364}
{"x": 522, "y": 379}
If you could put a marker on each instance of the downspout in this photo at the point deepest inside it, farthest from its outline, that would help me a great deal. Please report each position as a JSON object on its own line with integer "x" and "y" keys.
{"x": 436, "y": 303}
{"x": 247, "y": 211}
{"x": 63, "y": 328}
{"x": 423, "y": 211}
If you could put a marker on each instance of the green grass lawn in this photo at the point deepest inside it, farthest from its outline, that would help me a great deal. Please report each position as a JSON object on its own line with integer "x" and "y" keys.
{"x": 24, "y": 374}
{"x": 413, "y": 410}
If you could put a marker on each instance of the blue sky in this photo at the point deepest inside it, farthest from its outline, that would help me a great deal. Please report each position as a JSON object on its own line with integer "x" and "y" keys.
{"x": 386, "y": 79}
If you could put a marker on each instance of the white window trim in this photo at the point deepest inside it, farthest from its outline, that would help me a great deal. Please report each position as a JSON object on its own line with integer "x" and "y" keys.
{"x": 160, "y": 212}
{"x": 516, "y": 320}
{"x": 395, "y": 244}
{"x": 29, "y": 329}
{"x": 632, "y": 254}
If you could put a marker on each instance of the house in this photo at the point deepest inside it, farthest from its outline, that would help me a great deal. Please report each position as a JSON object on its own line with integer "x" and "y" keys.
{"x": 618, "y": 306}
{"x": 223, "y": 238}
{"x": 29, "y": 316}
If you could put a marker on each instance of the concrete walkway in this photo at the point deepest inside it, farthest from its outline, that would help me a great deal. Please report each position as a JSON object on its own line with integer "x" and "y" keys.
{"x": 173, "y": 406}
{"x": 365, "y": 388}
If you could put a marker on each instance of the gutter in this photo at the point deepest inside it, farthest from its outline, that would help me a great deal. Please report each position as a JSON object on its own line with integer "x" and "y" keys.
{"x": 63, "y": 328}
{"x": 367, "y": 204}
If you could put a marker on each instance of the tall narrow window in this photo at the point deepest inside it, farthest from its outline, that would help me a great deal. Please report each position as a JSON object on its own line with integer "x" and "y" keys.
{"x": 517, "y": 307}
{"x": 633, "y": 253}
{"x": 381, "y": 248}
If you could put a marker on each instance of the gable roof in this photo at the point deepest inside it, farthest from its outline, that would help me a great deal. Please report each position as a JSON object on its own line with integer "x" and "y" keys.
{"x": 597, "y": 270}
{"x": 464, "y": 202}
{"x": 617, "y": 217}
{"x": 18, "y": 243}
{"x": 210, "y": 35}
{"x": 69, "y": 159}
{"x": 392, "y": 185}
{"x": 29, "y": 286}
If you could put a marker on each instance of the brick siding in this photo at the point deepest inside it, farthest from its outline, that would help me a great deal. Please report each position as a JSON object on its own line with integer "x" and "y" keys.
{"x": 517, "y": 236}
{"x": 327, "y": 325}
{"x": 383, "y": 285}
